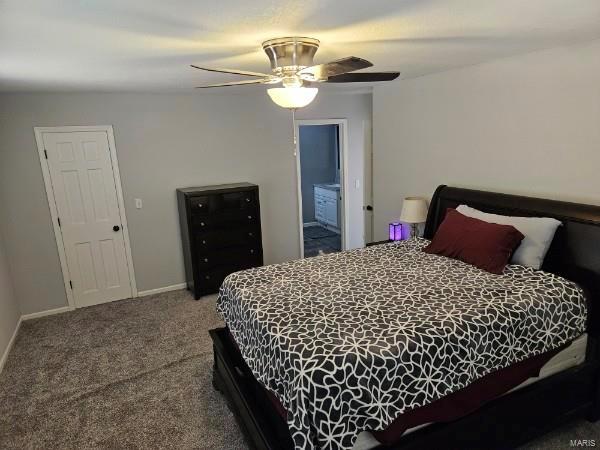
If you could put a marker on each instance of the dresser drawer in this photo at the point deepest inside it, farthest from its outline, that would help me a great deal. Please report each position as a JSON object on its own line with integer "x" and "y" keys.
{"x": 218, "y": 239}
{"x": 209, "y": 281}
{"x": 233, "y": 201}
{"x": 229, "y": 256}
{"x": 223, "y": 203}
{"x": 226, "y": 220}
{"x": 200, "y": 205}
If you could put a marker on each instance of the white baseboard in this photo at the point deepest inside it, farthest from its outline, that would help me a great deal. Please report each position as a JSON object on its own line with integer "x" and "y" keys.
{"x": 49, "y": 312}
{"x": 310, "y": 224}
{"x": 10, "y": 345}
{"x": 63, "y": 309}
{"x": 174, "y": 287}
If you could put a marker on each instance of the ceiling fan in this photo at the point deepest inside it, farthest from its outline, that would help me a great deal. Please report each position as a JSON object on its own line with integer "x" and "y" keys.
{"x": 292, "y": 66}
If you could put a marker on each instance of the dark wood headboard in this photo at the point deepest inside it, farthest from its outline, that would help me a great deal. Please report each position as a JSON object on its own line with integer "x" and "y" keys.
{"x": 575, "y": 250}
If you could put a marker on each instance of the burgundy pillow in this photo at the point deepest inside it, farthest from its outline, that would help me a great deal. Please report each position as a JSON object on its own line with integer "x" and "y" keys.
{"x": 488, "y": 246}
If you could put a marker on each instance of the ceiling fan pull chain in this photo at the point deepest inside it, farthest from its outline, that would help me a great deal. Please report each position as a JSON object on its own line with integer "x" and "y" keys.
{"x": 294, "y": 131}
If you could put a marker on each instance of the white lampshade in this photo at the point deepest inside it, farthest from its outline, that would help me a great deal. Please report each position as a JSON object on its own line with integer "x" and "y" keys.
{"x": 292, "y": 97}
{"x": 414, "y": 210}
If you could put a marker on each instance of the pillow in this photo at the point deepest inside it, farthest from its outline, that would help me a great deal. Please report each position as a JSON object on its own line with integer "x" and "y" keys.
{"x": 488, "y": 246}
{"x": 538, "y": 232}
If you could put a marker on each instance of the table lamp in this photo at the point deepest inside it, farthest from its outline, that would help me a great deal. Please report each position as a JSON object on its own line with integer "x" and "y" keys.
{"x": 414, "y": 212}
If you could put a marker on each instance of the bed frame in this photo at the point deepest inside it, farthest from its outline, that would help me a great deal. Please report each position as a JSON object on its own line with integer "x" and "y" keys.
{"x": 505, "y": 422}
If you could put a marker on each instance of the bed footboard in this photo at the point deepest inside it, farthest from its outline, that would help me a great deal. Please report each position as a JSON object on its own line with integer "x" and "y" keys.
{"x": 263, "y": 428}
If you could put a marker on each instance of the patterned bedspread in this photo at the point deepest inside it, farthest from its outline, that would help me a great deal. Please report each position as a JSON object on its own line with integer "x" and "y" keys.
{"x": 350, "y": 341}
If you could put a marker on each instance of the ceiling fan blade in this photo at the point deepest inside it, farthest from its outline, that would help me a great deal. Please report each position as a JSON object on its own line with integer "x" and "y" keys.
{"x": 363, "y": 77}
{"x": 322, "y": 72}
{"x": 233, "y": 71}
{"x": 238, "y": 83}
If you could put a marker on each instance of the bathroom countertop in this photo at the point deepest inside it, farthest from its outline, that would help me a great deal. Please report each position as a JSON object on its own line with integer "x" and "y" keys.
{"x": 330, "y": 186}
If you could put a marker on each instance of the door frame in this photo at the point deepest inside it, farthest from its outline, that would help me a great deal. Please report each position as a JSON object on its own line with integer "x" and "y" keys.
{"x": 108, "y": 129}
{"x": 343, "y": 144}
{"x": 369, "y": 216}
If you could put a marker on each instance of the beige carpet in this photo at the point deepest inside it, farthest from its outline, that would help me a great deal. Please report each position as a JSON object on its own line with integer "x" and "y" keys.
{"x": 135, "y": 373}
{"x": 131, "y": 374}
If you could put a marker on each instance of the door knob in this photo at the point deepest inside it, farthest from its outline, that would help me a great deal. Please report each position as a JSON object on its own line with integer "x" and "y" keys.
{"x": 116, "y": 228}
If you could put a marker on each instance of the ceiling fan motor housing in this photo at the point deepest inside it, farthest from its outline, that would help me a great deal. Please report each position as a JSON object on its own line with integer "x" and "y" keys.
{"x": 290, "y": 54}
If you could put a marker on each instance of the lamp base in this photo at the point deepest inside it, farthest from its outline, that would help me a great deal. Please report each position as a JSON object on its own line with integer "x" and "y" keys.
{"x": 414, "y": 230}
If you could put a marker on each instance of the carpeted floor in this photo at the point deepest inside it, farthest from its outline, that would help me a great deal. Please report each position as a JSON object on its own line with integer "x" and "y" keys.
{"x": 132, "y": 374}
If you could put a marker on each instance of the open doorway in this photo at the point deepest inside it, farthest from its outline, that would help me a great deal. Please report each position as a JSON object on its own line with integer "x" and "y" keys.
{"x": 321, "y": 187}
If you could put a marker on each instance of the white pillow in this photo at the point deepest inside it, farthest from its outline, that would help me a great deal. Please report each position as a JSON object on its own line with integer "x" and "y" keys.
{"x": 538, "y": 232}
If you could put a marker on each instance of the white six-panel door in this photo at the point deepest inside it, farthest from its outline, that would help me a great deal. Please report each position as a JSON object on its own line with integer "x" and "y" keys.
{"x": 85, "y": 194}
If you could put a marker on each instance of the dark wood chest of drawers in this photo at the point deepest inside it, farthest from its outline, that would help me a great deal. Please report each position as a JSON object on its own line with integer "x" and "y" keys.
{"x": 220, "y": 231}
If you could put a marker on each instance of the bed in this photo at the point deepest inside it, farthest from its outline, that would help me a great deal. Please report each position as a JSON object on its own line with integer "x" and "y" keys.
{"x": 272, "y": 321}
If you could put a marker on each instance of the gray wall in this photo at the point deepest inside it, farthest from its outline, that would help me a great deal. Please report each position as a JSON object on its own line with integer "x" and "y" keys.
{"x": 9, "y": 310}
{"x": 318, "y": 161}
{"x": 164, "y": 141}
{"x": 525, "y": 125}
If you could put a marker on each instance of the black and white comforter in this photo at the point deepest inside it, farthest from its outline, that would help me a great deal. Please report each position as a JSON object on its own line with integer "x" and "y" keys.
{"x": 350, "y": 341}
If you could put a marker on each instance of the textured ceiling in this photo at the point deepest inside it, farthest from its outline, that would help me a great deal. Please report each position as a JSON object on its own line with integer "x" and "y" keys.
{"x": 147, "y": 45}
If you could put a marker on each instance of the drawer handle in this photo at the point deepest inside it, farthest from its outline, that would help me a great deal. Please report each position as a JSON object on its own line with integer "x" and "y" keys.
{"x": 199, "y": 205}
{"x": 247, "y": 200}
{"x": 205, "y": 259}
{"x": 203, "y": 241}
{"x": 207, "y": 277}
{"x": 252, "y": 250}
{"x": 249, "y": 217}
{"x": 250, "y": 234}
{"x": 201, "y": 224}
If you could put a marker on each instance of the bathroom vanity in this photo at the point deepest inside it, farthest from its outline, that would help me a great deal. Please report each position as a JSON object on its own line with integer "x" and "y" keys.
{"x": 328, "y": 205}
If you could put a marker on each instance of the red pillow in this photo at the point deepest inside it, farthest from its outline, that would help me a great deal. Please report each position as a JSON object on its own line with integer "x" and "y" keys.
{"x": 488, "y": 246}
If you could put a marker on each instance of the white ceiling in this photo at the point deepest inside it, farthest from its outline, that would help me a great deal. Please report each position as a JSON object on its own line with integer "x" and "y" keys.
{"x": 148, "y": 45}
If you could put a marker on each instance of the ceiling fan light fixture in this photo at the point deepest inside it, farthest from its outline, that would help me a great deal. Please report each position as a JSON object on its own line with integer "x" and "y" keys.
{"x": 292, "y": 97}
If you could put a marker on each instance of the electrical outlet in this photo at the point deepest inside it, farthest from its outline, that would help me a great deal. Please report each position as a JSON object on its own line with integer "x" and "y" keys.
{"x": 138, "y": 203}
